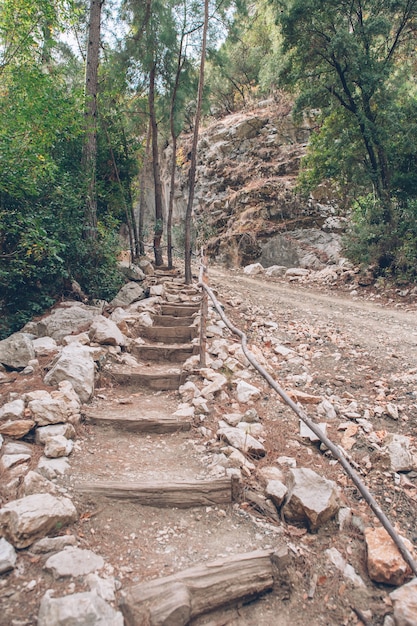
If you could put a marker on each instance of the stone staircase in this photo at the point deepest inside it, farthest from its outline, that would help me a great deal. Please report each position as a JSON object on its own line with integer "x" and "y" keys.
{"x": 147, "y": 480}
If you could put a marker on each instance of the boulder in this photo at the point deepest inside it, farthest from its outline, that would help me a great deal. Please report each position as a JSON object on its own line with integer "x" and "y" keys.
{"x": 405, "y": 604}
{"x": 66, "y": 320}
{"x": 276, "y": 491}
{"x": 106, "y": 332}
{"x": 73, "y": 562}
{"x": 385, "y": 563}
{"x": 311, "y": 498}
{"x": 7, "y": 556}
{"x": 52, "y": 468}
{"x": 78, "y": 609}
{"x": 34, "y": 483}
{"x": 146, "y": 267}
{"x": 245, "y": 392}
{"x": 76, "y": 365}
{"x": 275, "y": 270}
{"x": 17, "y": 428}
{"x": 241, "y": 440}
{"x": 131, "y": 292}
{"x": 254, "y": 269}
{"x": 53, "y": 544}
{"x": 44, "y": 432}
{"x": 398, "y": 449}
{"x": 44, "y": 346}
{"x": 60, "y": 406}
{"x": 131, "y": 272}
{"x": 12, "y": 410}
{"x": 16, "y": 351}
{"x": 58, "y": 446}
{"x": 25, "y": 520}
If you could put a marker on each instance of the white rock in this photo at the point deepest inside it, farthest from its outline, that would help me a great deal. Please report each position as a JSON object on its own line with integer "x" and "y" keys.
{"x": 157, "y": 290}
{"x": 145, "y": 319}
{"x": 307, "y": 433}
{"x": 276, "y": 270}
{"x": 82, "y": 338}
{"x": 53, "y": 468}
{"x": 66, "y": 320}
{"x": 296, "y": 272}
{"x": 16, "y": 351}
{"x": 78, "y": 609}
{"x": 7, "y": 556}
{"x": 58, "y": 446}
{"x": 103, "y": 587}
{"x": 75, "y": 364}
{"x": 106, "y": 332}
{"x": 11, "y": 460}
{"x": 131, "y": 292}
{"x": 253, "y": 269}
{"x": 73, "y": 562}
{"x": 405, "y": 604}
{"x": 44, "y": 432}
{"x": 17, "y": 447}
{"x": 347, "y": 570}
{"x": 242, "y": 441}
{"x": 215, "y": 386}
{"x": 246, "y": 391}
{"x": 311, "y": 498}
{"x": 34, "y": 483}
{"x": 12, "y": 410}
{"x": 25, "y": 520}
{"x": 233, "y": 419}
{"x": 276, "y": 491}
{"x": 44, "y": 346}
{"x": 327, "y": 409}
{"x": 398, "y": 448}
{"x": 53, "y": 544}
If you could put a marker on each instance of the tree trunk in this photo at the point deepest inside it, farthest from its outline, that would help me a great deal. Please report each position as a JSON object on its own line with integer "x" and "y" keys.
{"x": 143, "y": 178}
{"x": 159, "y": 218}
{"x": 193, "y": 166}
{"x": 91, "y": 90}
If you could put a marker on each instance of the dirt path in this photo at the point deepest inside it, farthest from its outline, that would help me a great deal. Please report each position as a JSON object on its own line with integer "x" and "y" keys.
{"x": 379, "y": 328}
{"x": 357, "y": 354}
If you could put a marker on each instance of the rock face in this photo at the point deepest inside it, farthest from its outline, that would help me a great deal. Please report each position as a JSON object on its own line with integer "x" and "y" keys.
{"x": 311, "y": 498}
{"x": 16, "y": 351}
{"x": 25, "y": 520}
{"x": 131, "y": 292}
{"x": 78, "y": 609}
{"x": 245, "y": 193}
{"x": 385, "y": 563}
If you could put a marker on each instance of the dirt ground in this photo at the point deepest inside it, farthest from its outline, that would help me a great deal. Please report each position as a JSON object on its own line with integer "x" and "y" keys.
{"x": 354, "y": 349}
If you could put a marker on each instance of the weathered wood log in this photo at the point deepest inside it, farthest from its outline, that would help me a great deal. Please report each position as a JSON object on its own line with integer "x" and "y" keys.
{"x": 177, "y": 599}
{"x": 180, "y": 310}
{"x": 158, "y": 425}
{"x": 169, "y": 334}
{"x": 163, "y": 494}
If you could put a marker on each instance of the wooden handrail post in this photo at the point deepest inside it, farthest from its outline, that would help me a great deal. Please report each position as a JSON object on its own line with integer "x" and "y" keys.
{"x": 203, "y": 278}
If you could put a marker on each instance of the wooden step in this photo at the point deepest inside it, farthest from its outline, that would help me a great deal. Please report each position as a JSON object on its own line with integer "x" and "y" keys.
{"x": 183, "y": 596}
{"x": 163, "y": 494}
{"x": 169, "y": 334}
{"x": 180, "y": 310}
{"x": 156, "y": 377}
{"x": 172, "y": 320}
{"x": 172, "y": 353}
{"x": 140, "y": 424}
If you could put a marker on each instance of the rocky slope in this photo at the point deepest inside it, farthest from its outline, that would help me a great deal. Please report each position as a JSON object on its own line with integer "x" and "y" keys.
{"x": 245, "y": 205}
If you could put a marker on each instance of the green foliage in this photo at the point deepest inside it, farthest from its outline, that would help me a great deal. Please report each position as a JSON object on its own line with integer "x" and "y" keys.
{"x": 393, "y": 250}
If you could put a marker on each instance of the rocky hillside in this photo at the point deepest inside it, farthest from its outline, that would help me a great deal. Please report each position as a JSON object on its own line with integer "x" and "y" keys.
{"x": 245, "y": 201}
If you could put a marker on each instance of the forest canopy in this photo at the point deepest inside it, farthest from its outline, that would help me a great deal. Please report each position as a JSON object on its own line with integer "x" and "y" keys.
{"x": 91, "y": 90}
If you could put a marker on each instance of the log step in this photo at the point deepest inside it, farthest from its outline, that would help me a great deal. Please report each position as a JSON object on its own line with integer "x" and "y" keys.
{"x": 172, "y": 320}
{"x": 171, "y": 334}
{"x": 148, "y": 425}
{"x": 156, "y": 377}
{"x": 181, "y": 597}
{"x": 180, "y": 310}
{"x": 162, "y": 494}
{"x": 173, "y": 353}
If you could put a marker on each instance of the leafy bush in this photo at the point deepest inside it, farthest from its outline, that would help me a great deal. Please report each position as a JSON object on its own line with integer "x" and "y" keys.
{"x": 391, "y": 248}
